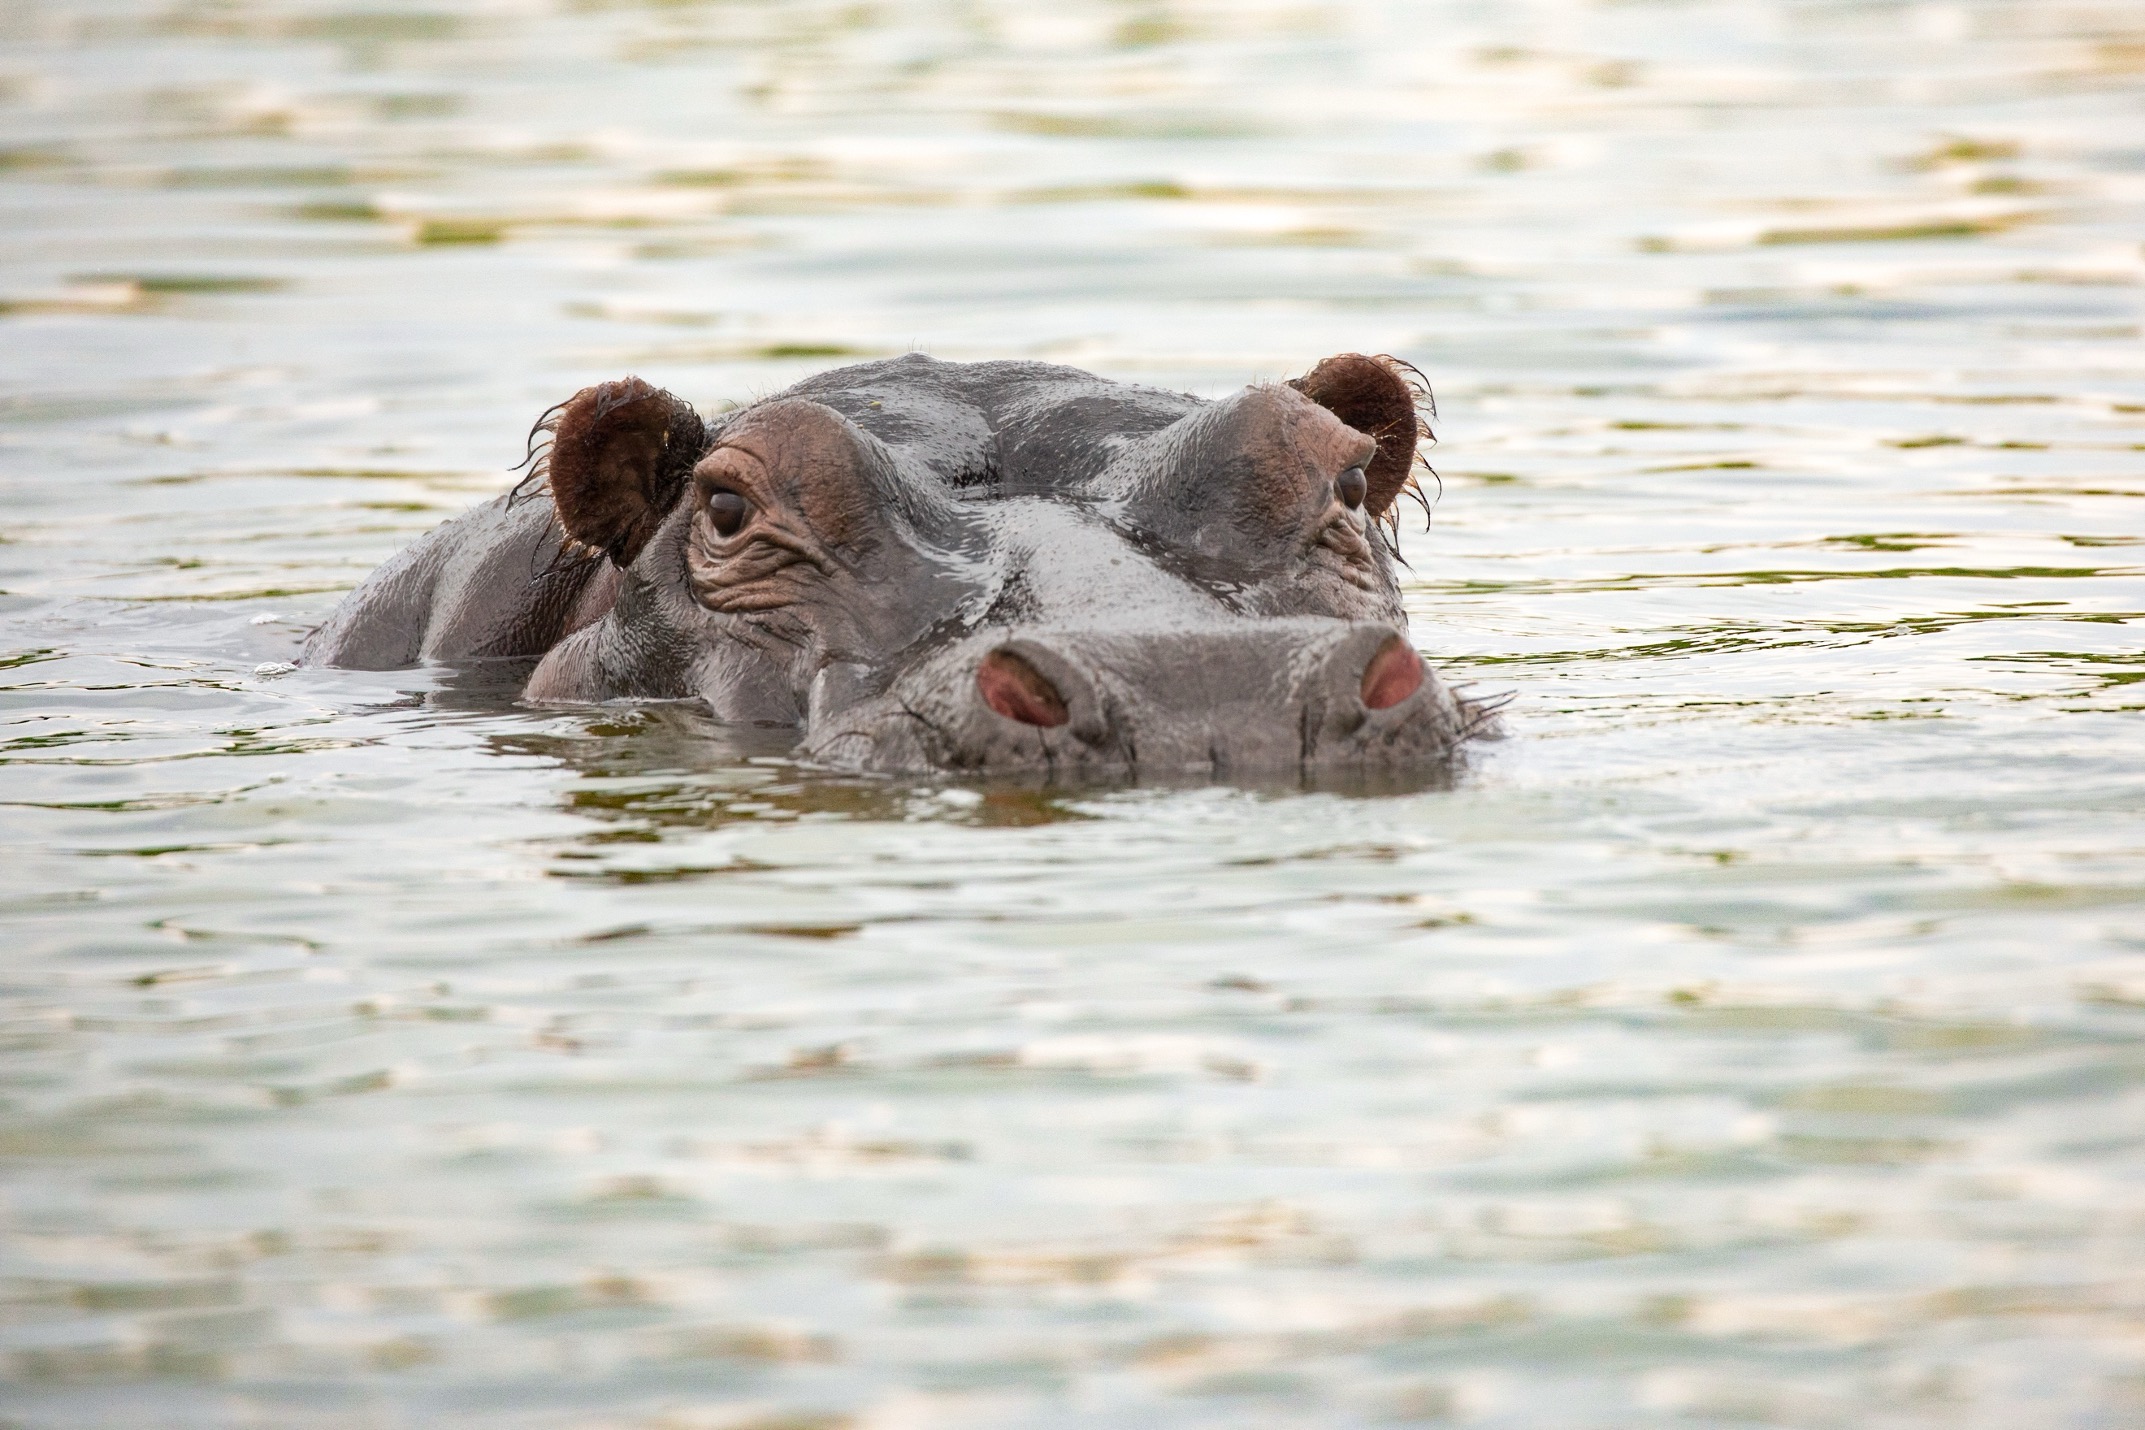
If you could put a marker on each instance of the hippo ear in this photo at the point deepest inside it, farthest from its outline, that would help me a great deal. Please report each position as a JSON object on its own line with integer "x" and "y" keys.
{"x": 620, "y": 452}
{"x": 1372, "y": 395}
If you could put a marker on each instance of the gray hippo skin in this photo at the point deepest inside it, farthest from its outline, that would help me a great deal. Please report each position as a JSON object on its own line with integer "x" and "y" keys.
{"x": 969, "y": 567}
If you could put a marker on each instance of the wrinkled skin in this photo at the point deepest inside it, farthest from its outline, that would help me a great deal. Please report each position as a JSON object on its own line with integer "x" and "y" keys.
{"x": 986, "y": 567}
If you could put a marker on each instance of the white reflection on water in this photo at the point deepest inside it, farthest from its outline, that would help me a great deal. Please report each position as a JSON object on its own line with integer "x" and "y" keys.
{"x": 1755, "y": 1038}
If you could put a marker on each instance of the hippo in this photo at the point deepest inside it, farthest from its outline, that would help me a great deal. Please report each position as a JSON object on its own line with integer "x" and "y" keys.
{"x": 932, "y": 567}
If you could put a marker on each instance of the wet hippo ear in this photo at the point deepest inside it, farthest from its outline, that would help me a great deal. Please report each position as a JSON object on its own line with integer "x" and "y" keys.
{"x": 1374, "y": 396}
{"x": 619, "y": 456}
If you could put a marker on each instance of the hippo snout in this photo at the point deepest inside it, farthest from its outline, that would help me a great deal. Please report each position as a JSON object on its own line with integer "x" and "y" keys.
{"x": 1256, "y": 697}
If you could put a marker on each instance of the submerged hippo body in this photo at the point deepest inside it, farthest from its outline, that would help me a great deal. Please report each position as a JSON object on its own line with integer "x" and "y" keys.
{"x": 980, "y": 567}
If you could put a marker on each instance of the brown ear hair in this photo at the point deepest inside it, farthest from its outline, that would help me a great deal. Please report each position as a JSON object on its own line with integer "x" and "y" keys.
{"x": 620, "y": 452}
{"x": 1373, "y": 395}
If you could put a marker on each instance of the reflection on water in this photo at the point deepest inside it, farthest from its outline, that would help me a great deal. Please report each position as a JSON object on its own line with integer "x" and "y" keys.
{"x": 1757, "y": 1037}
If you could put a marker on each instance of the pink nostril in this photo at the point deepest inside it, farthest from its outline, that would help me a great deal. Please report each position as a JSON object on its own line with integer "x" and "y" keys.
{"x": 1394, "y": 673}
{"x": 1018, "y": 691}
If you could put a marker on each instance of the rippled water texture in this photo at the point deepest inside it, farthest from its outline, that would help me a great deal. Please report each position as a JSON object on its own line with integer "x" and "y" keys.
{"x": 1756, "y": 1037}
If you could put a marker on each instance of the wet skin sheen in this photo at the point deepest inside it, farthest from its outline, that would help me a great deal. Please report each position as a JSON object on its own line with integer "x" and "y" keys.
{"x": 974, "y": 567}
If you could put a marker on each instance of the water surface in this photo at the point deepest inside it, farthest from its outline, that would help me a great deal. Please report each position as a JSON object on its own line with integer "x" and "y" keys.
{"x": 1756, "y": 1037}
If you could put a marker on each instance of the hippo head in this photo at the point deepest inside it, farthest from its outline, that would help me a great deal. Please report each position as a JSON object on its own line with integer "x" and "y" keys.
{"x": 1003, "y": 567}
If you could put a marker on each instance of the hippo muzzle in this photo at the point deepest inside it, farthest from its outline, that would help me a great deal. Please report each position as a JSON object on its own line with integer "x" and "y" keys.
{"x": 1116, "y": 702}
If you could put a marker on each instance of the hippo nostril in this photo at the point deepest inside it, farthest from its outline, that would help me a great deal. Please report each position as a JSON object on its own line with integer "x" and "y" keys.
{"x": 1018, "y": 691}
{"x": 1351, "y": 486}
{"x": 1394, "y": 673}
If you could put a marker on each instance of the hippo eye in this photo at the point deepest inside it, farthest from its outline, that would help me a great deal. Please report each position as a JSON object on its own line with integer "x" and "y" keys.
{"x": 727, "y": 511}
{"x": 1351, "y": 486}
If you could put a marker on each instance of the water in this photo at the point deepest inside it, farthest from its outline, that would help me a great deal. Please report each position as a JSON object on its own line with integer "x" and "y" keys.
{"x": 1756, "y": 1037}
